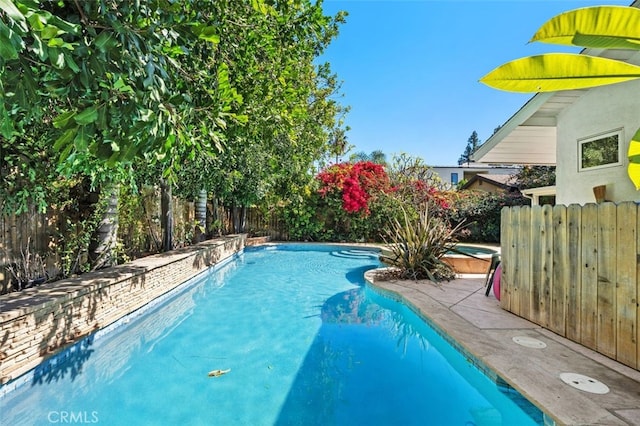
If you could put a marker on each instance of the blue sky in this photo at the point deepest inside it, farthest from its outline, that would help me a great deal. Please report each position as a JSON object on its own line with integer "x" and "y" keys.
{"x": 410, "y": 69}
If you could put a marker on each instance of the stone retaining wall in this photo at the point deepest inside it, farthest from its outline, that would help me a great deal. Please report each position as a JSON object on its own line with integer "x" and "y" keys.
{"x": 39, "y": 322}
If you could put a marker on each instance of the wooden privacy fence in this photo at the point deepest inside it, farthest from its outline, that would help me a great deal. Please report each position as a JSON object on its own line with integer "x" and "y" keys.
{"x": 270, "y": 224}
{"x": 574, "y": 270}
{"x": 40, "y": 233}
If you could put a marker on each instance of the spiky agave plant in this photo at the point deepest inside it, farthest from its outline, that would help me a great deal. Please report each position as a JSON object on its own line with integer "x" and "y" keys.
{"x": 416, "y": 246}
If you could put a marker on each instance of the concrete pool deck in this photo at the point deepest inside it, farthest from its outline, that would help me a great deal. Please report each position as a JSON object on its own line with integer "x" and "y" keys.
{"x": 485, "y": 332}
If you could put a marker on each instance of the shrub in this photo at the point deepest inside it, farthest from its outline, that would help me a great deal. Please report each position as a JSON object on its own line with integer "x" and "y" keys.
{"x": 303, "y": 219}
{"x": 418, "y": 244}
{"x": 480, "y": 211}
{"x": 354, "y": 183}
{"x": 351, "y": 201}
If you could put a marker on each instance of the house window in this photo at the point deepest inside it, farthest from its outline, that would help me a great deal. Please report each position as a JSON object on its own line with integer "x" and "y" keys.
{"x": 454, "y": 178}
{"x": 600, "y": 151}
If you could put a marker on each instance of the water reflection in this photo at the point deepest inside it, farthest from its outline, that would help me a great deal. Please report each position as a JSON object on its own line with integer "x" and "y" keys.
{"x": 352, "y": 307}
{"x": 372, "y": 362}
{"x": 348, "y": 308}
{"x": 70, "y": 362}
{"x": 106, "y": 359}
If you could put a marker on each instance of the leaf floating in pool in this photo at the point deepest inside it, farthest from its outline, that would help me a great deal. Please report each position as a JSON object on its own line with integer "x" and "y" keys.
{"x": 218, "y": 373}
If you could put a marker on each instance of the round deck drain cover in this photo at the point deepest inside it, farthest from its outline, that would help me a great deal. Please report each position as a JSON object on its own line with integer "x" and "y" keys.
{"x": 529, "y": 342}
{"x": 584, "y": 383}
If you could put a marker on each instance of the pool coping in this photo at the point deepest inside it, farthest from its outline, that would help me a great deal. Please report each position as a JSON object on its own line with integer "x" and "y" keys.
{"x": 483, "y": 331}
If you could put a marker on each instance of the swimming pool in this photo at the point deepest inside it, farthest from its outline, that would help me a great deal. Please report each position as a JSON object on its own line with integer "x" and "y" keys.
{"x": 305, "y": 342}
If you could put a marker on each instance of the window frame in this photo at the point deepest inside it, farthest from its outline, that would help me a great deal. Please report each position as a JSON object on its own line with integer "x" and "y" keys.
{"x": 583, "y": 141}
{"x": 456, "y": 180}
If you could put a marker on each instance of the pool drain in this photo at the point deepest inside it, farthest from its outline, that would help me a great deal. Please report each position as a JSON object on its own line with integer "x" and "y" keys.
{"x": 584, "y": 383}
{"x": 529, "y": 342}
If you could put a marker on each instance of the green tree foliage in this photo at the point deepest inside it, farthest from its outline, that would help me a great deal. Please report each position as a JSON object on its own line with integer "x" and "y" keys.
{"x": 535, "y": 176}
{"x": 169, "y": 82}
{"x": 103, "y": 82}
{"x": 338, "y": 144}
{"x": 219, "y": 96}
{"x": 405, "y": 168}
{"x": 478, "y": 213}
{"x": 377, "y": 156}
{"x": 472, "y": 144}
{"x": 108, "y": 73}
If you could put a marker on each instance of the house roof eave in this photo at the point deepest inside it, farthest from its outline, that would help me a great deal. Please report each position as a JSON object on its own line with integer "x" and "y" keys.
{"x": 487, "y": 153}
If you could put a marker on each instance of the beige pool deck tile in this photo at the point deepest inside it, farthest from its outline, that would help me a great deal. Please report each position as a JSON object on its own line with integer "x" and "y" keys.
{"x": 484, "y": 331}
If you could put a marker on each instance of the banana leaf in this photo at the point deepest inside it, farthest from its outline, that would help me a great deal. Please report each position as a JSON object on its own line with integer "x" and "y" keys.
{"x": 634, "y": 160}
{"x": 559, "y": 71}
{"x": 604, "y": 27}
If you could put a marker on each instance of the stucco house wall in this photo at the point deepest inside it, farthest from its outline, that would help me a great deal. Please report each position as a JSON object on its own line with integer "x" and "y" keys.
{"x": 600, "y": 110}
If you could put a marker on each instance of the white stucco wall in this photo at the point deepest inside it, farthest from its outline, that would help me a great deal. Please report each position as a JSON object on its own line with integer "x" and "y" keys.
{"x": 599, "y": 110}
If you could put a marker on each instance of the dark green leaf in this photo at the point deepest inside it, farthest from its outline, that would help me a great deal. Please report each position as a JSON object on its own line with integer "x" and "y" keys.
{"x": 72, "y": 64}
{"x": 89, "y": 115}
{"x": 103, "y": 40}
{"x": 6, "y": 128}
{"x": 81, "y": 141}
{"x": 7, "y": 49}
{"x": 62, "y": 120}
{"x": 56, "y": 57}
{"x": 65, "y": 139}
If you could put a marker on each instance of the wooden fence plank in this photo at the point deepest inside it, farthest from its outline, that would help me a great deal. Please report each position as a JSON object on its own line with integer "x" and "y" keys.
{"x": 524, "y": 261}
{"x": 546, "y": 255}
{"x": 537, "y": 264}
{"x": 606, "y": 331}
{"x": 625, "y": 288}
{"x": 574, "y": 279}
{"x": 589, "y": 289}
{"x": 521, "y": 279}
{"x": 559, "y": 270}
{"x": 637, "y": 287}
{"x": 507, "y": 253}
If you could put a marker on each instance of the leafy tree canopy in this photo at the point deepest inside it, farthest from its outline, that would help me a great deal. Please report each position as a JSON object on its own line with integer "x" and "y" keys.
{"x": 472, "y": 144}
{"x": 535, "y": 176}
{"x": 105, "y": 88}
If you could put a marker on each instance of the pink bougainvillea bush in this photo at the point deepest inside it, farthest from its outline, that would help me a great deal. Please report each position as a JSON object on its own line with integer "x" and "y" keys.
{"x": 357, "y": 200}
{"x": 355, "y": 183}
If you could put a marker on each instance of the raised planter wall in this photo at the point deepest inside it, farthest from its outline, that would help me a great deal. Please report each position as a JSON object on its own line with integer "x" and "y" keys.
{"x": 39, "y": 322}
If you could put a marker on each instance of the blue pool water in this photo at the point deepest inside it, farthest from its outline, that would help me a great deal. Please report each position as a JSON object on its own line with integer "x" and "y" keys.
{"x": 473, "y": 250}
{"x": 306, "y": 342}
